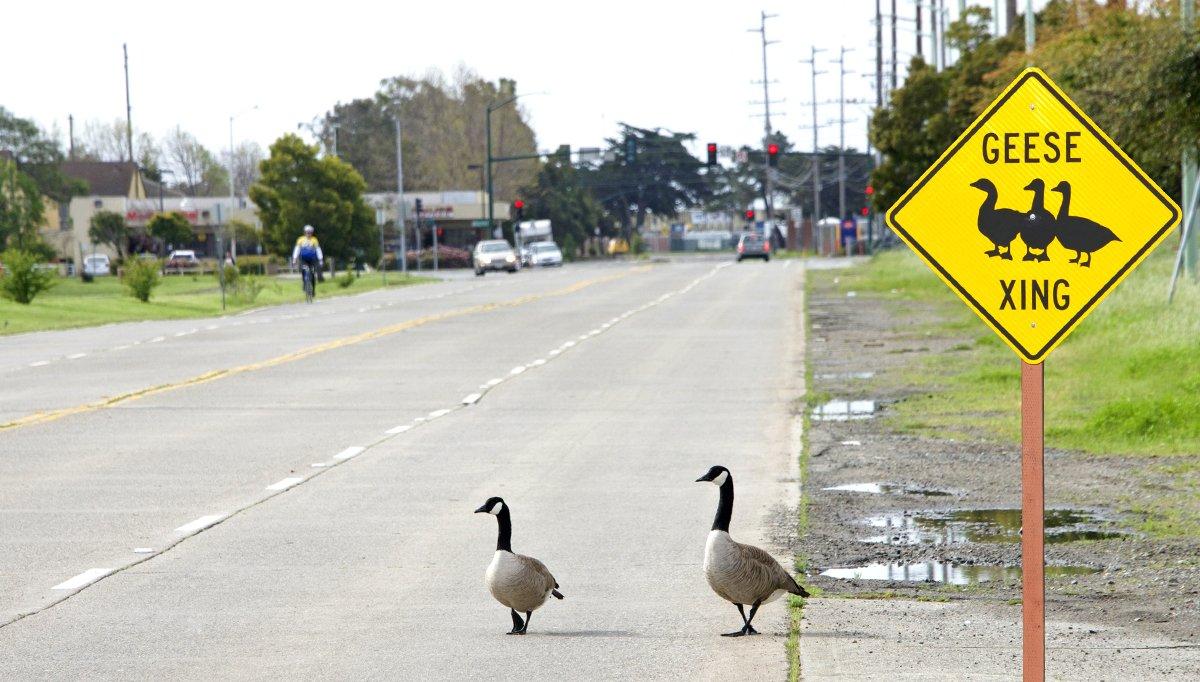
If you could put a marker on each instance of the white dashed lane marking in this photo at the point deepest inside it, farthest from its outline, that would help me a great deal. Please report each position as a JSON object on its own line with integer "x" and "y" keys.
{"x": 472, "y": 399}
{"x": 352, "y": 451}
{"x": 39, "y": 363}
{"x": 76, "y": 356}
{"x": 399, "y": 429}
{"x": 83, "y": 579}
{"x": 286, "y": 483}
{"x": 200, "y": 523}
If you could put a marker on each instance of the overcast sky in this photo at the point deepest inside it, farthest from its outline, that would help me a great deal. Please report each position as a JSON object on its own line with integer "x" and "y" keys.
{"x": 685, "y": 66}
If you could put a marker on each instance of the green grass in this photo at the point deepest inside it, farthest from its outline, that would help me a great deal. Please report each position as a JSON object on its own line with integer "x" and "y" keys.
{"x": 71, "y": 303}
{"x": 1127, "y": 381}
{"x": 795, "y": 603}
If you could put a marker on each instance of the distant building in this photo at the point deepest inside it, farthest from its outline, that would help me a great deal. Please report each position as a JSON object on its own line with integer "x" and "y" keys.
{"x": 462, "y": 215}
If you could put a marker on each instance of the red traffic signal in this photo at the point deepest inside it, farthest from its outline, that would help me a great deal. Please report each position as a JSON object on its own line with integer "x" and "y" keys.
{"x": 518, "y": 204}
{"x": 866, "y": 211}
{"x": 773, "y": 155}
{"x": 870, "y": 190}
{"x": 750, "y": 214}
{"x": 712, "y": 153}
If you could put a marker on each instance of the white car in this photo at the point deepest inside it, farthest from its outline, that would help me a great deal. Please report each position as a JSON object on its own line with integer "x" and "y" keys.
{"x": 493, "y": 254}
{"x": 545, "y": 254}
{"x": 96, "y": 265}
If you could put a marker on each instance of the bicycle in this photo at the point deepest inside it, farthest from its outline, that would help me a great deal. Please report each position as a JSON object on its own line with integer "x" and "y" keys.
{"x": 309, "y": 277}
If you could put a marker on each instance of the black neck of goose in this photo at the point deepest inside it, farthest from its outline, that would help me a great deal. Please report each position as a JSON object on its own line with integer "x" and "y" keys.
{"x": 990, "y": 202}
{"x": 724, "y": 507}
{"x": 1039, "y": 200}
{"x": 1065, "y": 209}
{"x": 504, "y": 536}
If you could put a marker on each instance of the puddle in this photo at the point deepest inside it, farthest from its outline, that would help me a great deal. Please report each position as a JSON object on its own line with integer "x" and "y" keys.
{"x": 946, "y": 572}
{"x": 888, "y": 489}
{"x": 986, "y": 525}
{"x": 848, "y": 375}
{"x": 844, "y": 410}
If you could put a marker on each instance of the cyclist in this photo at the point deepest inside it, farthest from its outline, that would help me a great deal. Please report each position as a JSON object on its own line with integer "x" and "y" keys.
{"x": 308, "y": 251}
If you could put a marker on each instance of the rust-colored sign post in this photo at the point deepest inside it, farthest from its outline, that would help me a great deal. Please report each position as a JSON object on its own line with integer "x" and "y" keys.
{"x": 1033, "y": 494}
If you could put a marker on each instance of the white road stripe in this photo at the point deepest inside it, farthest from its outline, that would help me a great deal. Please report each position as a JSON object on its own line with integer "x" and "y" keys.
{"x": 352, "y": 451}
{"x": 286, "y": 483}
{"x": 437, "y": 414}
{"x": 157, "y": 339}
{"x": 211, "y": 327}
{"x": 200, "y": 523}
{"x": 556, "y": 351}
{"x": 538, "y": 363}
{"x": 125, "y": 347}
{"x": 472, "y": 399}
{"x": 399, "y": 429}
{"x": 318, "y": 465}
{"x": 494, "y": 382}
{"x": 39, "y": 363}
{"x": 568, "y": 344}
{"x": 83, "y": 579}
{"x": 76, "y": 356}
{"x": 143, "y": 550}
{"x": 517, "y": 370}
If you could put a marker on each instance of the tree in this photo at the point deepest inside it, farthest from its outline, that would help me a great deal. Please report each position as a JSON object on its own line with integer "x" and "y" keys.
{"x": 100, "y": 141}
{"x": 23, "y": 279}
{"x": 560, "y": 196}
{"x": 38, "y": 156}
{"x": 21, "y": 208}
{"x": 109, "y": 228}
{"x": 297, "y": 188}
{"x": 444, "y": 132}
{"x": 662, "y": 178}
{"x": 246, "y": 159}
{"x": 198, "y": 171}
{"x": 171, "y": 229}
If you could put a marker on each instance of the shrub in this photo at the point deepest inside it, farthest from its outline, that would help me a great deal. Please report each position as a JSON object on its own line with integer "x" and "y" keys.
{"x": 231, "y": 275}
{"x": 247, "y": 288}
{"x": 22, "y": 279}
{"x": 141, "y": 275}
{"x": 570, "y": 248}
{"x": 345, "y": 279}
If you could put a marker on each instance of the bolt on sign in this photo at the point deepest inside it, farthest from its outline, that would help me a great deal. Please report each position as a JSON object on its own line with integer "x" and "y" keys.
{"x": 1033, "y": 215}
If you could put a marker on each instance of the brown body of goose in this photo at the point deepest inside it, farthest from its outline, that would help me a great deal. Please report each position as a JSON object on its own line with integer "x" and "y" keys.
{"x": 739, "y": 573}
{"x": 519, "y": 582}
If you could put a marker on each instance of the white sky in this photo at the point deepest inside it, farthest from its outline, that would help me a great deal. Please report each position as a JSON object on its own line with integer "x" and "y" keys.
{"x": 685, "y": 66}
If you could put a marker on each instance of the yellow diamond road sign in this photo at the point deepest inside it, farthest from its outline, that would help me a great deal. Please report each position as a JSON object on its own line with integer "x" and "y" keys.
{"x": 1033, "y": 215}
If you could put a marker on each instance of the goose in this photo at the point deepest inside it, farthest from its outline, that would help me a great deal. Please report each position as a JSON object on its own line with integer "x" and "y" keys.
{"x": 1037, "y": 230}
{"x": 741, "y": 574}
{"x": 1077, "y": 233}
{"x": 999, "y": 225}
{"x": 519, "y": 582}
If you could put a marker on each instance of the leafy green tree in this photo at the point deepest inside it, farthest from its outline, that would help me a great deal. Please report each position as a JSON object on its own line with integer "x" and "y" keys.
{"x": 21, "y": 209}
{"x": 297, "y": 188}
{"x": 141, "y": 276}
{"x": 109, "y": 228}
{"x": 38, "y": 156}
{"x": 443, "y": 133}
{"x": 661, "y": 178}
{"x": 560, "y": 196}
{"x": 171, "y": 229}
{"x": 22, "y": 279}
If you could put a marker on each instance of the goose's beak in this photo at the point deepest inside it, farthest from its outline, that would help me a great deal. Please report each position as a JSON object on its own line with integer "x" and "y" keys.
{"x": 482, "y": 509}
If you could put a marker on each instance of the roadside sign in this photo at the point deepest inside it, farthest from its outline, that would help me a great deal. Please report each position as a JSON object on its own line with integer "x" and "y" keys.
{"x": 480, "y": 223}
{"x": 1033, "y": 215}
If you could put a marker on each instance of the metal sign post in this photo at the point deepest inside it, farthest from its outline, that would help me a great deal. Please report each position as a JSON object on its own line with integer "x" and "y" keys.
{"x": 1033, "y": 505}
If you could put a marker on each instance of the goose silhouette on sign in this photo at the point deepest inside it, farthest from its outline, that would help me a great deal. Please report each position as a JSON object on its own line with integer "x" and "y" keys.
{"x": 1079, "y": 234}
{"x": 1038, "y": 226}
{"x": 999, "y": 225}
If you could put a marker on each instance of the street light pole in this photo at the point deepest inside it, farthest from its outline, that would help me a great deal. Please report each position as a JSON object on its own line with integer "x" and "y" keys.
{"x": 400, "y": 218}
{"x": 232, "y": 194}
{"x": 488, "y": 132}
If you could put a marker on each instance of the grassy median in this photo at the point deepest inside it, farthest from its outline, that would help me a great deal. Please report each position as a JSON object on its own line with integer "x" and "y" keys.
{"x": 1127, "y": 380}
{"x": 72, "y": 303}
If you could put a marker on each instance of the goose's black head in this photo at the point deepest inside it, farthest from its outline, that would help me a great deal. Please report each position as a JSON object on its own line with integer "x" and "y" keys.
{"x": 1036, "y": 185}
{"x": 984, "y": 184}
{"x": 492, "y": 506}
{"x": 716, "y": 475}
{"x": 1061, "y": 187}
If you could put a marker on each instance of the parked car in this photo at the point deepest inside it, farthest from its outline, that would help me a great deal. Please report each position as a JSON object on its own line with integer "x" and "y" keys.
{"x": 493, "y": 254}
{"x": 753, "y": 246}
{"x": 546, "y": 254}
{"x": 181, "y": 260}
{"x": 96, "y": 265}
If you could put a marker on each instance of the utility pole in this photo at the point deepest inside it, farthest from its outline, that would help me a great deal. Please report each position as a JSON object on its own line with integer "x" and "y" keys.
{"x": 400, "y": 218}
{"x": 128, "y": 105}
{"x": 878, "y": 55}
{"x": 71, "y": 137}
{"x": 1029, "y": 29}
{"x": 1190, "y": 171}
{"x": 919, "y": 52}
{"x": 768, "y": 184}
{"x": 816, "y": 157}
{"x": 895, "y": 66}
{"x": 942, "y": 29}
{"x": 842, "y": 131}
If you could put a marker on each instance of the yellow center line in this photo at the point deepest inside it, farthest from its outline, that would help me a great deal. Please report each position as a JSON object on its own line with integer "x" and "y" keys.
{"x": 54, "y": 415}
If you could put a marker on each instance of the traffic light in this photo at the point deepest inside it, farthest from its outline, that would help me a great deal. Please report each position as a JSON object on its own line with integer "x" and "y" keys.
{"x": 712, "y": 154}
{"x": 441, "y": 232}
{"x": 870, "y": 190}
{"x": 866, "y": 211}
{"x": 772, "y": 155}
{"x": 418, "y": 206}
{"x": 518, "y": 209}
{"x": 750, "y": 215}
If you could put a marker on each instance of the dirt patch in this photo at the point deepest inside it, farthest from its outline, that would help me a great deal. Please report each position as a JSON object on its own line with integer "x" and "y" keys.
{"x": 862, "y": 348}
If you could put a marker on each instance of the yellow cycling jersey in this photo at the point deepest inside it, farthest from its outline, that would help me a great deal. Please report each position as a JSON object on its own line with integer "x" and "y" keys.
{"x": 308, "y": 242}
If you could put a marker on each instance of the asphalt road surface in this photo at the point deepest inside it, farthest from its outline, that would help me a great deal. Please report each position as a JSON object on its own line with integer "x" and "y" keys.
{"x": 289, "y": 493}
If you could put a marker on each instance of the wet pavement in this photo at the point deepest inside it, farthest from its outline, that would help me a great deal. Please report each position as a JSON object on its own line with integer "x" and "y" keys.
{"x": 946, "y": 572}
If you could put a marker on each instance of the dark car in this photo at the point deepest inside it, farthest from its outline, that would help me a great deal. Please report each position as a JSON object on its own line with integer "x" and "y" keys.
{"x": 753, "y": 246}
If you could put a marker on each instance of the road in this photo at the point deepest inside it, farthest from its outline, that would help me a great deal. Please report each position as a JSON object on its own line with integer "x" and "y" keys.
{"x": 289, "y": 493}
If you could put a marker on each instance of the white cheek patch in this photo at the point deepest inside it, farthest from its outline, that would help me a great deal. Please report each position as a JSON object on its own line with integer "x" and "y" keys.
{"x": 495, "y": 510}
{"x": 721, "y": 478}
